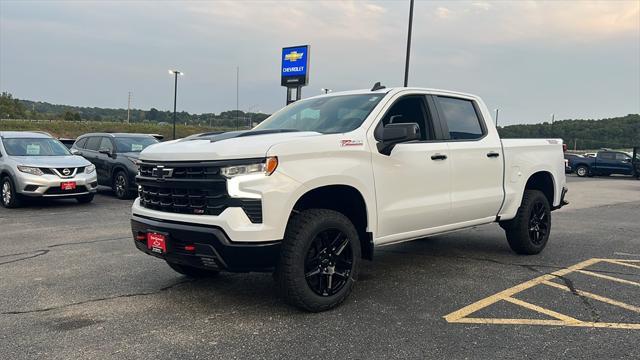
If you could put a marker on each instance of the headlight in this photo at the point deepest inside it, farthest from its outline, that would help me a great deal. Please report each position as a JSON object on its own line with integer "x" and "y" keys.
{"x": 136, "y": 162}
{"x": 30, "y": 170}
{"x": 267, "y": 168}
{"x": 89, "y": 169}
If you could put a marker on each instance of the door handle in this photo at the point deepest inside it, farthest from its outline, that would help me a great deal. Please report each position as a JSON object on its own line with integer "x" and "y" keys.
{"x": 493, "y": 154}
{"x": 438, "y": 157}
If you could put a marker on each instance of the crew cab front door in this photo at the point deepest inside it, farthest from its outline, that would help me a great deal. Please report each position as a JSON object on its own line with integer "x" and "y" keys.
{"x": 412, "y": 182}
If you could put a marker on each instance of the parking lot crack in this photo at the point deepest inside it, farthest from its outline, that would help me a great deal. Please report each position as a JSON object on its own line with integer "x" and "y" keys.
{"x": 40, "y": 252}
{"x": 90, "y": 301}
{"x": 588, "y": 305}
{"x": 34, "y": 254}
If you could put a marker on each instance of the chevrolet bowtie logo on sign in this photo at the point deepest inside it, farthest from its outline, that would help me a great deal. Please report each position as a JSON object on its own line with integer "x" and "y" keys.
{"x": 294, "y": 71}
{"x": 294, "y": 56}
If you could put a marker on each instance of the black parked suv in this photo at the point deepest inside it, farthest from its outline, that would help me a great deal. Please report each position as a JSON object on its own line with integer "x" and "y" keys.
{"x": 115, "y": 157}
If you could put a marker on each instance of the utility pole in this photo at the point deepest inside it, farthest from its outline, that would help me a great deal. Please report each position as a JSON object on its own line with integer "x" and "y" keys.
{"x": 406, "y": 64}
{"x": 237, "y": 96}
{"x": 175, "y": 97}
{"x": 553, "y": 118}
{"x": 129, "y": 109}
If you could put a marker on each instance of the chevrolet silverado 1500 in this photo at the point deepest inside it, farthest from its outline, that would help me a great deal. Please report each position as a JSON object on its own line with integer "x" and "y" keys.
{"x": 317, "y": 186}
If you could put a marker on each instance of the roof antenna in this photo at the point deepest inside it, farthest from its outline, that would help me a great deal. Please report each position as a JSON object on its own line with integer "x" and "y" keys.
{"x": 377, "y": 86}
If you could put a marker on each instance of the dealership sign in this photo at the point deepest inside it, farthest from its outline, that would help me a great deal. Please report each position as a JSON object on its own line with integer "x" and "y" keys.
{"x": 294, "y": 71}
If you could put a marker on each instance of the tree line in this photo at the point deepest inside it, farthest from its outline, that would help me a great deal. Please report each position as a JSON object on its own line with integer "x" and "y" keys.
{"x": 12, "y": 108}
{"x": 618, "y": 132}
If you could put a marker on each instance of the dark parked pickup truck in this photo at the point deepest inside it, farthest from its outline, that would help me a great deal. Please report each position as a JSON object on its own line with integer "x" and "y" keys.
{"x": 605, "y": 163}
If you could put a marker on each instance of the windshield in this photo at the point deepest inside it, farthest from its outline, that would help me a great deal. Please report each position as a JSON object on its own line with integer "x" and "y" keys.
{"x": 331, "y": 114}
{"x": 134, "y": 144}
{"x": 35, "y": 147}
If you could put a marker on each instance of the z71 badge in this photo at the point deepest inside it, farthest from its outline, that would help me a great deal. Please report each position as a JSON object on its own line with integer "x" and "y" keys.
{"x": 351, "y": 143}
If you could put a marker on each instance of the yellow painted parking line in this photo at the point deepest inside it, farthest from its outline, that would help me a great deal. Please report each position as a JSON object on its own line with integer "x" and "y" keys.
{"x": 602, "y": 276}
{"x": 542, "y": 310}
{"x": 463, "y": 315}
{"x": 623, "y": 263}
{"x": 595, "y": 297}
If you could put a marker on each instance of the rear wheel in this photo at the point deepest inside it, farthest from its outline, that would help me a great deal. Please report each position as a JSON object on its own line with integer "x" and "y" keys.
{"x": 192, "y": 271}
{"x": 121, "y": 185}
{"x": 529, "y": 231}
{"x": 8, "y": 196}
{"x": 319, "y": 260}
{"x": 582, "y": 171}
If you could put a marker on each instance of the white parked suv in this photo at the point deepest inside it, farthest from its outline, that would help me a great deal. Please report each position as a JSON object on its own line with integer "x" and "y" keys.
{"x": 320, "y": 184}
{"x": 33, "y": 164}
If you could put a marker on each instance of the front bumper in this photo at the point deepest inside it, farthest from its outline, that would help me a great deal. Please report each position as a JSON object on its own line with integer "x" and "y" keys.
{"x": 212, "y": 247}
{"x": 49, "y": 185}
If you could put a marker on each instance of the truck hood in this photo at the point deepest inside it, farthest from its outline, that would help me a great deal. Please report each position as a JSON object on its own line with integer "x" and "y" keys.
{"x": 221, "y": 146}
{"x": 51, "y": 161}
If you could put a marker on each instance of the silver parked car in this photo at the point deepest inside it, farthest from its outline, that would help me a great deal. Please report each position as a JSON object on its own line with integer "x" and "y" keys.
{"x": 35, "y": 164}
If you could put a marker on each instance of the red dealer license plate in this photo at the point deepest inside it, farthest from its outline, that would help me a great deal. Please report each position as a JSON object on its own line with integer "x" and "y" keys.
{"x": 68, "y": 185}
{"x": 157, "y": 242}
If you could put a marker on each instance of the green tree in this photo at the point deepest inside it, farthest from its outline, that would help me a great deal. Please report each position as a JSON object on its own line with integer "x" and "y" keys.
{"x": 11, "y": 108}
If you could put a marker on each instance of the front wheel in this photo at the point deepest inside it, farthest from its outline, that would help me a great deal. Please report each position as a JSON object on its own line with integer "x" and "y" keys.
{"x": 319, "y": 260}
{"x": 121, "y": 185}
{"x": 582, "y": 171}
{"x": 529, "y": 231}
{"x": 8, "y": 195}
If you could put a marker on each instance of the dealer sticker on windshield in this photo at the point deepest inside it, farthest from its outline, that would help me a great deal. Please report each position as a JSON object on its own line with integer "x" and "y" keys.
{"x": 33, "y": 149}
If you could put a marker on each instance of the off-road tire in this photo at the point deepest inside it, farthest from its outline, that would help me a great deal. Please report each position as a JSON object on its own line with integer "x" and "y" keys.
{"x": 301, "y": 232}
{"x": 518, "y": 232}
{"x": 192, "y": 271}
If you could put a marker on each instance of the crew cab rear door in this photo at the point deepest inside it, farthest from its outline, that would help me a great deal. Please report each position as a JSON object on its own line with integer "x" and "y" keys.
{"x": 475, "y": 155}
{"x": 413, "y": 182}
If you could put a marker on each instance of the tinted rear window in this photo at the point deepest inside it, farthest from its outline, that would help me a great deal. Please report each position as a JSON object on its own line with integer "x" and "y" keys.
{"x": 93, "y": 143}
{"x": 461, "y": 118}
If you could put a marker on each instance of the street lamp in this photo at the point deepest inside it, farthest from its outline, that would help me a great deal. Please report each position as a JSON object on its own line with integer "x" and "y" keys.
{"x": 175, "y": 97}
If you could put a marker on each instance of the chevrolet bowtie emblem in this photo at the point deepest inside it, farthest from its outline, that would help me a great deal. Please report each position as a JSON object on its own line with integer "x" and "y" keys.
{"x": 293, "y": 56}
{"x": 160, "y": 172}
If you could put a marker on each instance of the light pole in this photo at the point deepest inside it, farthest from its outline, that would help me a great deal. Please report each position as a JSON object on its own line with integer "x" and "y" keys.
{"x": 406, "y": 64}
{"x": 175, "y": 97}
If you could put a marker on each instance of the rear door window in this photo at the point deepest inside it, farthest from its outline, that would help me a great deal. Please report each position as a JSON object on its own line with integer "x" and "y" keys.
{"x": 81, "y": 143}
{"x": 461, "y": 118}
{"x": 607, "y": 156}
{"x": 106, "y": 143}
{"x": 93, "y": 143}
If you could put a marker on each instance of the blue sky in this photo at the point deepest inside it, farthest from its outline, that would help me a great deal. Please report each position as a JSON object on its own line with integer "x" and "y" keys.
{"x": 577, "y": 59}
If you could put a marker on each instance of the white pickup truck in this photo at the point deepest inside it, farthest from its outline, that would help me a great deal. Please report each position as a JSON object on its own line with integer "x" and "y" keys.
{"x": 317, "y": 186}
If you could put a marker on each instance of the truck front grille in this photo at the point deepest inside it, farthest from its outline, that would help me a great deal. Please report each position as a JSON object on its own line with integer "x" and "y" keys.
{"x": 190, "y": 188}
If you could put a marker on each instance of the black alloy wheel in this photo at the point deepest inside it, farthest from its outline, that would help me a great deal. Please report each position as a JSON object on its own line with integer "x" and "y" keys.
{"x": 538, "y": 223}
{"x": 121, "y": 185}
{"x": 328, "y": 263}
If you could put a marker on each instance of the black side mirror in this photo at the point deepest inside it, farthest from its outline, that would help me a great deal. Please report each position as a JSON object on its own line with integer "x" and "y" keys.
{"x": 393, "y": 134}
{"x": 105, "y": 151}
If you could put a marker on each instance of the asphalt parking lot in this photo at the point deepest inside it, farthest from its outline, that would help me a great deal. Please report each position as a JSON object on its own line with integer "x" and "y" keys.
{"x": 74, "y": 286}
